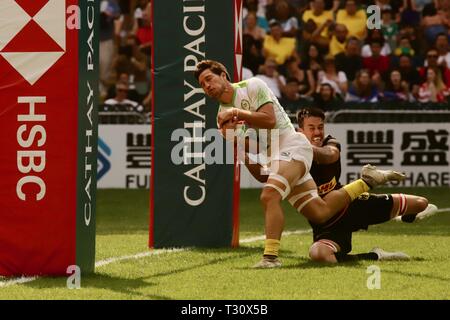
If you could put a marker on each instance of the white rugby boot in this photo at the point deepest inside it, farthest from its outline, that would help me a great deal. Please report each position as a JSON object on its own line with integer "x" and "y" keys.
{"x": 390, "y": 256}
{"x": 429, "y": 211}
{"x": 375, "y": 177}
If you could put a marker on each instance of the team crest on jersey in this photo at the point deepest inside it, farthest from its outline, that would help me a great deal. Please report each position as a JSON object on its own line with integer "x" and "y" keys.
{"x": 364, "y": 196}
{"x": 245, "y": 104}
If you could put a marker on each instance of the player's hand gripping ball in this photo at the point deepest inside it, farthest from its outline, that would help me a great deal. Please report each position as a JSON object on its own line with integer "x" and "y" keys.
{"x": 228, "y": 127}
{"x": 227, "y": 121}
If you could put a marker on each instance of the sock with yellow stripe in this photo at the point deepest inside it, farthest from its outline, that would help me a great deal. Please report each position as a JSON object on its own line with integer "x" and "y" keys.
{"x": 271, "y": 247}
{"x": 356, "y": 188}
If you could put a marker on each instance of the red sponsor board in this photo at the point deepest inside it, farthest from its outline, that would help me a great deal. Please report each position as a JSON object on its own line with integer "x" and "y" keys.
{"x": 38, "y": 121}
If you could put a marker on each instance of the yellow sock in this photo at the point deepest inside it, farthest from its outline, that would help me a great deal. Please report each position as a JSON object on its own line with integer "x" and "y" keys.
{"x": 271, "y": 247}
{"x": 356, "y": 188}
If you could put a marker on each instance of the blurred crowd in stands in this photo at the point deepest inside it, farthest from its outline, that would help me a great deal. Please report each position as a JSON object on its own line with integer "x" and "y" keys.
{"x": 308, "y": 52}
{"x": 322, "y": 52}
{"x": 125, "y": 55}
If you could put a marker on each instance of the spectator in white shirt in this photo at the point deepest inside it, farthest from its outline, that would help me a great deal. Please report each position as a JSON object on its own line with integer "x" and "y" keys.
{"x": 121, "y": 99}
{"x": 246, "y": 73}
{"x": 271, "y": 77}
{"x": 337, "y": 79}
{"x": 442, "y": 47}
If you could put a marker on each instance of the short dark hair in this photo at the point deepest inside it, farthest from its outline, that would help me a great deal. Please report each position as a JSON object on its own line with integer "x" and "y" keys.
{"x": 309, "y": 112}
{"x": 326, "y": 84}
{"x": 353, "y": 39}
{"x": 215, "y": 67}
{"x": 405, "y": 37}
{"x": 377, "y": 41}
{"x": 441, "y": 34}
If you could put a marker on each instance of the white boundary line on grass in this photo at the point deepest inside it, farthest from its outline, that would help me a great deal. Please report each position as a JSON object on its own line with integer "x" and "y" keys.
{"x": 105, "y": 262}
{"x": 14, "y": 281}
{"x": 140, "y": 255}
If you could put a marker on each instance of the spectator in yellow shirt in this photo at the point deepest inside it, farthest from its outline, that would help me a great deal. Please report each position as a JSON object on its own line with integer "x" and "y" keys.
{"x": 319, "y": 15}
{"x": 339, "y": 39}
{"x": 276, "y": 46}
{"x": 354, "y": 19}
{"x": 311, "y": 33}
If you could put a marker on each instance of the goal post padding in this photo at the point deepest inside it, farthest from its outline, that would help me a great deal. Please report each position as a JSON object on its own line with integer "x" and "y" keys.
{"x": 193, "y": 203}
{"x": 48, "y": 120}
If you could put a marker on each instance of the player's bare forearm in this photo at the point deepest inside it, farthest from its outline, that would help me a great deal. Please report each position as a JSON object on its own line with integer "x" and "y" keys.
{"x": 264, "y": 118}
{"x": 326, "y": 154}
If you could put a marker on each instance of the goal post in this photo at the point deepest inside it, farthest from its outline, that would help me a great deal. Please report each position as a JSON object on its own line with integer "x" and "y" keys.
{"x": 48, "y": 120}
{"x": 194, "y": 202}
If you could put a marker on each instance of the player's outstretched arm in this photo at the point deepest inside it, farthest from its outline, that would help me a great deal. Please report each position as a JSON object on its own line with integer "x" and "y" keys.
{"x": 326, "y": 155}
{"x": 264, "y": 118}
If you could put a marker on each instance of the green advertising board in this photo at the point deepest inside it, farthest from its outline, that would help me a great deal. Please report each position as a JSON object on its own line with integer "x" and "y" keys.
{"x": 193, "y": 200}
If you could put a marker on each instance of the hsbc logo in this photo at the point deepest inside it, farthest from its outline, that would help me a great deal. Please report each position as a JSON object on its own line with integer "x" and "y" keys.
{"x": 32, "y": 35}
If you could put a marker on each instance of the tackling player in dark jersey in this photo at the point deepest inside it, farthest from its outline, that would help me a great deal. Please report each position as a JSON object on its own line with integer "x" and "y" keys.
{"x": 333, "y": 239}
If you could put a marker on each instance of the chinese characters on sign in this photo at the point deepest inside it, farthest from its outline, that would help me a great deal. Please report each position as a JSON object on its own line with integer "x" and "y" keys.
{"x": 422, "y": 154}
{"x": 374, "y": 147}
{"x": 138, "y": 151}
{"x": 425, "y": 148}
{"x": 138, "y": 157}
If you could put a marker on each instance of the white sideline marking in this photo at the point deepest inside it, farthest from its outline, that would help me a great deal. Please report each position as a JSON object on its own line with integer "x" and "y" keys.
{"x": 14, "y": 281}
{"x": 105, "y": 262}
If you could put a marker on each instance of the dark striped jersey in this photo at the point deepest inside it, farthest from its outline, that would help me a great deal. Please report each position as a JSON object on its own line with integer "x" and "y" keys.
{"x": 327, "y": 176}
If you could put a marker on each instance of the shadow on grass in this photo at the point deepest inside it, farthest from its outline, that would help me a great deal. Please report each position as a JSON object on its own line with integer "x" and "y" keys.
{"x": 132, "y": 286}
{"x": 243, "y": 253}
{"x": 101, "y": 281}
{"x": 306, "y": 263}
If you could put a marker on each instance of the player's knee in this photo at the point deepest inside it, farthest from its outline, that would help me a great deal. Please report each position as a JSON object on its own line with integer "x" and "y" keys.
{"x": 421, "y": 203}
{"x": 269, "y": 195}
{"x": 321, "y": 253}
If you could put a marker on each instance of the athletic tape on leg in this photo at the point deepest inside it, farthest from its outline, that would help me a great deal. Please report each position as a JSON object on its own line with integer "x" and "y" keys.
{"x": 329, "y": 244}
{"x": 284, "y": 181}
{"x": 294, "y": 198}
{"x": 403, "y": 204}
{"x": 304, "y": 203}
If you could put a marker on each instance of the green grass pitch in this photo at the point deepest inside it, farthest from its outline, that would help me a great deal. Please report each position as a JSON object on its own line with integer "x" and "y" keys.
{"x": 122, "y": 231}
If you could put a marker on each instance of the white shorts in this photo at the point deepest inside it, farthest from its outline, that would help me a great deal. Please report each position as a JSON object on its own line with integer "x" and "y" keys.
{"x": 293, "y": 146}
